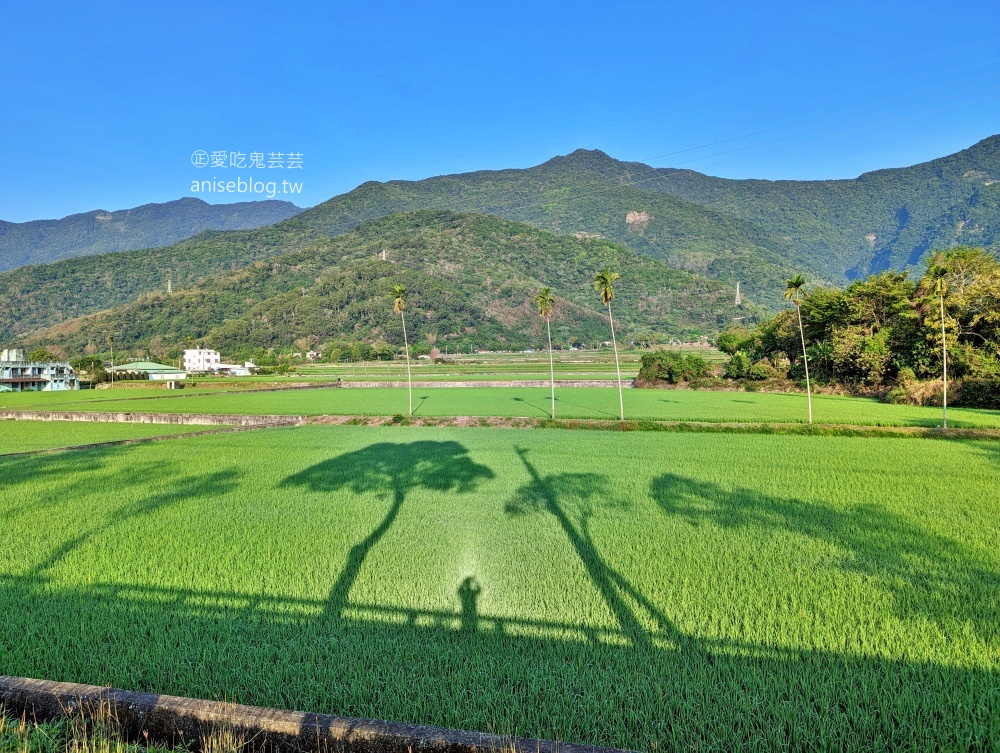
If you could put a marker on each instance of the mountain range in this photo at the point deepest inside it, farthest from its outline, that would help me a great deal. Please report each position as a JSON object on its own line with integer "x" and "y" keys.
{"x": 100, "y": 231}
{"x": 716, "y": 230}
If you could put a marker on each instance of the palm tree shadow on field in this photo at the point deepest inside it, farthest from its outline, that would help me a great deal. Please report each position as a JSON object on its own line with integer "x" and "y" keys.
{"x": 392, "y": 469}
{"x": 523, "y": 401}
{"x": 61, "y": 472}
{"x": 592, "y": 408}
{"x": 571, "y": 498}
{"x": 272, "y": 649}
{"x": 926, "y": 574}
{"x": 182, "y": 490}
{"x": 57, "y": 470}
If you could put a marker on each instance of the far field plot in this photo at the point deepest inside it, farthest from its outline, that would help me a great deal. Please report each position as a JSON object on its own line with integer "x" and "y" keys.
{"x": 571, "y": 402}
{"x": 645, "y": 590}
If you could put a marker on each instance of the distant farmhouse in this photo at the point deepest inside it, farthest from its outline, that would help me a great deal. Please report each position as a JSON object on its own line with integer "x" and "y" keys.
{"x": 153, "y": 371}
{"x": 201, "y": 361}
{"x": 17, "y": 374}
{"x": 204, "y": 361}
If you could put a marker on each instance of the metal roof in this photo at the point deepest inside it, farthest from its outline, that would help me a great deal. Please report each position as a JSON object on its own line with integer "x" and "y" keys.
{"x": 149, "y": 367}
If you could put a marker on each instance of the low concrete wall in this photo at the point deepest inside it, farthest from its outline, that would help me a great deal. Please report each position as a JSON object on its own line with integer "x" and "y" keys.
{"x": 169, "y": 720}
{"x": 187, "y": 419}
{"x": 508, "y": 383}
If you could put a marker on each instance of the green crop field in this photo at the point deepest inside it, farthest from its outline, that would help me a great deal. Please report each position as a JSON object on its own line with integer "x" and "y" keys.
{"x": 24, "y": 436}
{"x": 571, "y": 402}
{"x": 646, "y": 590}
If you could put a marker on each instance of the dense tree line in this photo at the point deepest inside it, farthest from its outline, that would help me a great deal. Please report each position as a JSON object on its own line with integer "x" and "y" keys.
{"x": 883, "y": 334}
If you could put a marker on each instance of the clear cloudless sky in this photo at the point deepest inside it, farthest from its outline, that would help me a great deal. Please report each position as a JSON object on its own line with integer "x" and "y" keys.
{"x": 103, "y": 103}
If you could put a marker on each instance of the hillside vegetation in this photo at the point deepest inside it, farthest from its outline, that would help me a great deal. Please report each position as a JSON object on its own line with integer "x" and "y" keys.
{"x": 470, "y": 279}
{"x": 883, "y": 220}
{"x": 42, "y": 241}
{"x": 589, "y": 194}
{"x": 39, "y": 296}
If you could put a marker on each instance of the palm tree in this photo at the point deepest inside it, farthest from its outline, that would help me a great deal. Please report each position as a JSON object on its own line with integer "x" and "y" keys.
{"x": 603, "y": 284}
{"x": 399, "y": 306}
{"x": 937, "y": 273}
{"x": 546, "y": 302}
{"x": 111, "y": 343}
{"x": 793, "y": 293}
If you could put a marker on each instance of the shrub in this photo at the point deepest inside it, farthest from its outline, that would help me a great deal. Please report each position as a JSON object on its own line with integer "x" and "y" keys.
{"x": 979, "y": 393}
{"x": 671, "y": 367}
{"x": 738, "y": 366}
{"x": 762, "y": 370}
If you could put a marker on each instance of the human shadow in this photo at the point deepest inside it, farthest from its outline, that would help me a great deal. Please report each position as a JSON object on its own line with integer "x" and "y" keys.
{"x": 927, "y": 574}
{"x": 571, "y": 498}
{"x": 468, "y": 596}
{"x": 391, "y": 470}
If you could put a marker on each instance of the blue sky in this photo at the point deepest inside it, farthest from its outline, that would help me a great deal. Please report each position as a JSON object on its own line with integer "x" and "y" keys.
{"x": 103, "y": 104}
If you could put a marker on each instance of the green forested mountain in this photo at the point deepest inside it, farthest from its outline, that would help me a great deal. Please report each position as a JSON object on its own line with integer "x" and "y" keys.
{"x": 887, "y": 219}
{"x": 470, "y": 280}
{"x": 754, "y": 232}
{"x": 149, "y": 225}
{"x": 38, "y": 296}
{"x": 585, "y": 193}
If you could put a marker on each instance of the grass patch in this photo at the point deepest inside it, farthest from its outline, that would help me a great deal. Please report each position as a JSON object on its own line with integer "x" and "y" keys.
{"x": 25, "y": 436}
{"x": 636, "y": 589}
{"x": 76, "y": 734}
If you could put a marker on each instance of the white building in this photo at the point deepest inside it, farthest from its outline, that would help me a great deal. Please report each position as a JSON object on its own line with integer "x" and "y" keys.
{"x": 201, "y": 361}
{"x": 20, "y": 375}
{"x": 236, "y": 370}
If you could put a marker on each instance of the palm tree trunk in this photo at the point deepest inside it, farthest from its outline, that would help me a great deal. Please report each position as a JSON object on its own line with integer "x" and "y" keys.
{"x": 944, "y": 356}
{"x": 552, "y": 369}
{"x": 406, "y": 346}
{"x": 614, "y": 342}
{"x": 805, "y": 360}
{"x": 112, "y": 364}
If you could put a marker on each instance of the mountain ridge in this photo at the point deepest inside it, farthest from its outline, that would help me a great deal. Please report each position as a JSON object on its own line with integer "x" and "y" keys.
{"x": 145, "y": 226}
{"x": 831, "y": 231}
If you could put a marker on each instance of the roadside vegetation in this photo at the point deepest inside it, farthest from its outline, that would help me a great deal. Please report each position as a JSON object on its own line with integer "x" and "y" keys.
{"x": 97, "y": 732}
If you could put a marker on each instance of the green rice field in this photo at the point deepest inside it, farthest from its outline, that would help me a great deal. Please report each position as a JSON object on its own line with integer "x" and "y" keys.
{"x": 643, "y": 590}
{"x": 575, "y": 402}
{"x": 25, "y": 436}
